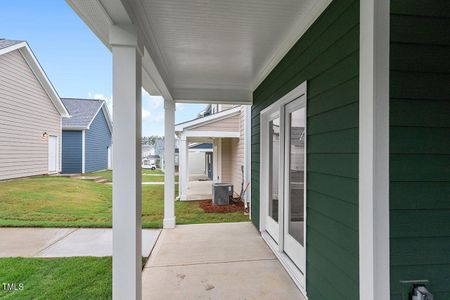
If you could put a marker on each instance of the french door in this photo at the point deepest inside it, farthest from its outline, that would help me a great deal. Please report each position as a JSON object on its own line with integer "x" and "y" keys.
{"x": 294, "y": 183}
{"x": 283, "y": 177}
{"x": 273, "y": 172}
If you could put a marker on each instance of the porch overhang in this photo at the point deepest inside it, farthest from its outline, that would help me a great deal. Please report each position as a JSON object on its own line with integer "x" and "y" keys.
{"x": 206, "y": 51}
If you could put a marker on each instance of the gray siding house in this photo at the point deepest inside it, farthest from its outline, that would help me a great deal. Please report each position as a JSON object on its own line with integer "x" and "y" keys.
{"x": 30, "y": 115}
{"x": 86, "y": 136}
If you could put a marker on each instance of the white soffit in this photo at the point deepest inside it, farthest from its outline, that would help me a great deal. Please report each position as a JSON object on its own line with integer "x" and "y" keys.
{"x": 211, "y": 50}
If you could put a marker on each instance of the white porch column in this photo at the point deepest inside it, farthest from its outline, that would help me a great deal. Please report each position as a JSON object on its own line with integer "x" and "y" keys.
{"x": 169, "y": 154}
{"x": 183, "y": 165}
{"x": 374, "y": 150}
{"x": 127, "y": 256}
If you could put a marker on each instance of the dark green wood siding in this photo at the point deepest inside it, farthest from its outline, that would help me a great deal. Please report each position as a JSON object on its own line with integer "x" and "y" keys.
{"x": 420, "y": 145}
{"x": 327, "y": 57}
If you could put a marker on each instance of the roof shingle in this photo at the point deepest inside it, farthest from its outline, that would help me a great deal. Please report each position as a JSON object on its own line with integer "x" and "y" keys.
{"x": 4, "y": 43}
{"x": 82, "y": 112}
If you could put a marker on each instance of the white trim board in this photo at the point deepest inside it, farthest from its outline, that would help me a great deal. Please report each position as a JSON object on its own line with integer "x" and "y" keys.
{"x": 212, "y": 134}
{"x": 374, "y": 150}
{"x": 208, "y": 119}
{"x": 105, "y": 112}
{"x": 83, "y": 151}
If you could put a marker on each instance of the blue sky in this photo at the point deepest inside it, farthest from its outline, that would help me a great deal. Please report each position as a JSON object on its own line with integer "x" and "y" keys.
{"x": 76, "y": 62}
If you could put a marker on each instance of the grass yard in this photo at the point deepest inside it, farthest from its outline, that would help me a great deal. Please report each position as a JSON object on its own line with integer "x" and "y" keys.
{"x": 147, "y": 175}
{"x": 67, "y": 202}
{"x": 57, "y": 278}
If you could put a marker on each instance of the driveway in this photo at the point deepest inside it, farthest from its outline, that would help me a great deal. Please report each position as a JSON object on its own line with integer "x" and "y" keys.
{"x": 65, "y": 242}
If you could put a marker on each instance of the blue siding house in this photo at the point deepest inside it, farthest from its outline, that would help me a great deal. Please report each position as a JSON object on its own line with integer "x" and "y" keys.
{"x": 86, "y": 136}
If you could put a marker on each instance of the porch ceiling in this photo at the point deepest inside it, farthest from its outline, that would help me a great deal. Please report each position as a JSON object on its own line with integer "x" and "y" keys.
{"x": 206, "y": 50}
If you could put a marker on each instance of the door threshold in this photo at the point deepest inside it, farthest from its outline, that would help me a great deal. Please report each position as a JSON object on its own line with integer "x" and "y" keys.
{"x": 295, "y": 274}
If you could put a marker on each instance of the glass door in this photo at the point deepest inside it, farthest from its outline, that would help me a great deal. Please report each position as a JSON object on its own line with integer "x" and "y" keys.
{"x": 273, "y": 161}
{"x": 294, "y": 183}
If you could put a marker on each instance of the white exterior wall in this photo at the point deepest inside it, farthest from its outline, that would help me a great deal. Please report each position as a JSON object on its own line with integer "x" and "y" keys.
{"x": 197, "y": 162}
{"x": 226, "y": 158}
{"x": 237, "y": 154}
{"x": 26, "y": 112}
{"x": 225, "y": 125}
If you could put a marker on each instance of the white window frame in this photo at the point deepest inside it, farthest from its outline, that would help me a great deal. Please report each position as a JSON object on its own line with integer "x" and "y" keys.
{"x": 278, "y": 108}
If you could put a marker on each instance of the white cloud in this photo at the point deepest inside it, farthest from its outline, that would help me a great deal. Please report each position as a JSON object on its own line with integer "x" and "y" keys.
{"x": 101, "y": 96}
{"x": 179, "y": 106}
{"x": 152, "y": 116}
{"x": 145, "y": 114}
{"x": 157, "y": 118}
{"x": 155, "y": 102}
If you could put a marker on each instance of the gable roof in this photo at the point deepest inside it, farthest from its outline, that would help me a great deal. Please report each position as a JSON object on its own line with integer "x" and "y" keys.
{"x": 83, "y": 112}
{"x": 7, "y": 46}
{"x": 201, "y": 146}
{"x": 8, "y": 43}
{"x": 224, "y": 114}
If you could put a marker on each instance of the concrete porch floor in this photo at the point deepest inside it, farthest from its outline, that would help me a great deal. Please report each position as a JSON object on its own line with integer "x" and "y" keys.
{"x": 215, "y": 261}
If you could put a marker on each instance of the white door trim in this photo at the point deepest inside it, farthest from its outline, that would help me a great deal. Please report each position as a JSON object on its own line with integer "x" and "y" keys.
{"x": 267, "y": 114}
{"x": 289, "y": 242}
{"x": 83, "y": 151}
{"x": 374, "y": 150}
{"x": 270, "y": 225}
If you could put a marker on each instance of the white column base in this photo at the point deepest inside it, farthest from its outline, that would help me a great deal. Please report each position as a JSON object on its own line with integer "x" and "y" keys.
{"x": 183, "y": 197}
{"x": 169, "y": 223}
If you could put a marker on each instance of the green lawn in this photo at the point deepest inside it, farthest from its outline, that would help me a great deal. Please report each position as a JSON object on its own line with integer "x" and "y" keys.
{"x": 57, "y": 278}
{"x": 68, "y": 202}
{"x": 148, "y": 171}
{"x": 156, "y": 175}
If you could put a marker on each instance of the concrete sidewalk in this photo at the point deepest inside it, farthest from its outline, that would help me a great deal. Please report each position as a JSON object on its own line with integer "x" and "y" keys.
{"x": 215, "y": 261}
{"x": 65, "y": 242}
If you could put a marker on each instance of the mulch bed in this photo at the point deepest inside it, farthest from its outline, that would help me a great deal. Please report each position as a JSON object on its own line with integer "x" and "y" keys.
{"x": 208, "y": 207}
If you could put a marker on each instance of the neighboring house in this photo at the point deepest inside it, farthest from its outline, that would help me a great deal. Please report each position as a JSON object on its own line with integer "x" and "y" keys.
{"x": 148, "y": 150}
{"x": 159, "y": 150}
{"x": 222, "y": 128}
{"x": 30, "y": 115}
{"x": 360, "y": 89}
{"x": 201, "y": 161}
{"x": 87, "y": 143}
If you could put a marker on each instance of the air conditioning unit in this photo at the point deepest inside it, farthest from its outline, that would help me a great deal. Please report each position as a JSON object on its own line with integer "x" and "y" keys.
{"x": 222, "y": 193}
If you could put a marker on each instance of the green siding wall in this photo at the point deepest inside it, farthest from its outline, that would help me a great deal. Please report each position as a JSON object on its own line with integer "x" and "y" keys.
{"x": 420, "y": 145}
{"x": 327, "y": 56}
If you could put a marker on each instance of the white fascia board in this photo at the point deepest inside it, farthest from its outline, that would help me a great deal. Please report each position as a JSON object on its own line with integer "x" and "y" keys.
{"x": 292, "y": 37}
{"x": 200, "y": 150}
{"x": 75, "y": 128}
{"x": 12, "y": 48}
{"x": 107, "y": 116}
{"x": 213, "y": 94}
{"x": 212, "y": 134}
{"x": 208, "y": 119}
{"x": 88, "y": 20}
{"x": 40, "y": 75}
